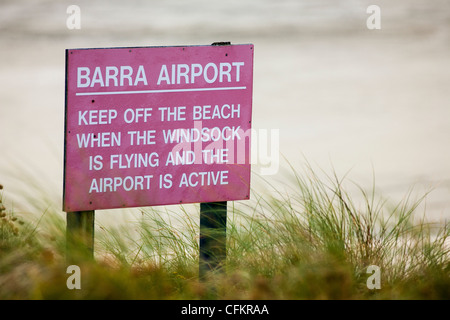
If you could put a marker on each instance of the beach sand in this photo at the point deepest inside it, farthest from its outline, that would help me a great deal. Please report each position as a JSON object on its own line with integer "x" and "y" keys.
{"x": 371, "y": 102}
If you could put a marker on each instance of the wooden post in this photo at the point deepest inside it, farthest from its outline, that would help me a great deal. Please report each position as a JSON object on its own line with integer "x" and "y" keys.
{"x": 80, "y": 236}
{"x": 213, "y": 230}
{"x": 213, "y": 236}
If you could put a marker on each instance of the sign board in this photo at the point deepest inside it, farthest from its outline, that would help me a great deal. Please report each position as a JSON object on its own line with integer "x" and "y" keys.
{"x": 152, "y": 126}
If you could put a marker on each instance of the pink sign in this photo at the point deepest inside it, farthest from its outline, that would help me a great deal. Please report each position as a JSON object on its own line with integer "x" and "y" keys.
{"x": 157, "y": 126}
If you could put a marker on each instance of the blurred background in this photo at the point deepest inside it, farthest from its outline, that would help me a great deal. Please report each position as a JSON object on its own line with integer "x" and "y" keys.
{"x": 373, "y": 104}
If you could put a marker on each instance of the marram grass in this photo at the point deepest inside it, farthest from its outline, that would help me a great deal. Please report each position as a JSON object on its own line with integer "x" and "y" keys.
{"x": 310, "y": 241}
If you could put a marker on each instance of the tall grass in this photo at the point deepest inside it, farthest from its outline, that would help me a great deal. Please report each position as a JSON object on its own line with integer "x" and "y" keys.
{"x": 310, "y": 240}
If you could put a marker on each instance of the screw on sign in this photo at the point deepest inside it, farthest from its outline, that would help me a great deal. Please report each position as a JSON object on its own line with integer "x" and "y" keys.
{"x": 151, "y": 126}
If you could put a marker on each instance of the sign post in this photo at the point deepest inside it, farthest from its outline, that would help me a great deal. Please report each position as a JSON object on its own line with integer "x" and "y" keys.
{"x": 150, "y": 126}
{"x": 213, "y": 230}
{"x": 80, "y": 235}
